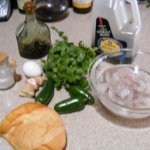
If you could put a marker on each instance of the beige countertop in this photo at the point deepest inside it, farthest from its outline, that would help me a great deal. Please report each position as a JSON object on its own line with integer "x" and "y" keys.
{"x": 94, "y": 128}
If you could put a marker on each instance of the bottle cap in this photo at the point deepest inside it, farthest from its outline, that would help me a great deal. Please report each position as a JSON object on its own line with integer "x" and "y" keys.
{"x": 29, "y": 6}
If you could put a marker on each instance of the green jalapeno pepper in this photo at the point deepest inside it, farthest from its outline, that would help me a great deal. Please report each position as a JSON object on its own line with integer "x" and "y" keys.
{"x": 70, "y": 105}
{"x": 79, "y": 91}
{"x": 46, "y": 93}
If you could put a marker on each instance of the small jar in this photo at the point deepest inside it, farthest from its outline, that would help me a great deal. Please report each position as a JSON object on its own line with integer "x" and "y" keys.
{"x": 7, "y": 79}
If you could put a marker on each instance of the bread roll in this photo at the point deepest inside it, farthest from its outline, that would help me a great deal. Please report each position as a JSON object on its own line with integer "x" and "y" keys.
{"x": 34, "y": 126}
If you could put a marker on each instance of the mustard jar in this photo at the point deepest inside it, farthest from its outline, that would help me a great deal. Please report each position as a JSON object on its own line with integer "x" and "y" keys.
{"x": 7, "y": 79}
{"x": 33, "y": 35}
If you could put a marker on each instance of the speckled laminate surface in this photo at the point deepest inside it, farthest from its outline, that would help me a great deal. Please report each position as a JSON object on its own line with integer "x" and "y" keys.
{"x": 94, "y": 128}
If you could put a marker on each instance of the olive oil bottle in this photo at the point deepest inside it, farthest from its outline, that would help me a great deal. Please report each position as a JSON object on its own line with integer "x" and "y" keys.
{"x": 33, "y": 35}
{"x": 82, "y": 6}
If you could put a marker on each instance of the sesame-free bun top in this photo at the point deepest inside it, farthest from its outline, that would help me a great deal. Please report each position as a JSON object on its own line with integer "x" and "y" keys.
{"x": 33, "y": 126}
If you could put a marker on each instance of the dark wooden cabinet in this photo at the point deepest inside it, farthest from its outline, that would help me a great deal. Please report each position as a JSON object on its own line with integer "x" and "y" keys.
{"x": 13, "y": 3}
{"x": 70, "y": 3}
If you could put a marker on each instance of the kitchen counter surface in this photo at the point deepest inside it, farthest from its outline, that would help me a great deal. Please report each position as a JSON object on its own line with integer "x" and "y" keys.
{"x": 94, "y": 128}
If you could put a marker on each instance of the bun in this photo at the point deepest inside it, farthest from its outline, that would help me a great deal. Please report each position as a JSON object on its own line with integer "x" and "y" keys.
{"x": 33, "y": 126}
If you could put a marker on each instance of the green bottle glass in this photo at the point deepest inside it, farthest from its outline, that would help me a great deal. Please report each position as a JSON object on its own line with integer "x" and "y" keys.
{"x": 33, "y": 35}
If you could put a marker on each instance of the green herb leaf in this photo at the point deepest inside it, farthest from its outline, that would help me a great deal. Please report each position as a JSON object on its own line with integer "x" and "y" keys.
{"x": 67, "y": 63}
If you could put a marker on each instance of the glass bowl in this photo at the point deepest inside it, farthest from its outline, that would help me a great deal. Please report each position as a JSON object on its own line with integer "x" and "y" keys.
{"x": 120, "y": 79}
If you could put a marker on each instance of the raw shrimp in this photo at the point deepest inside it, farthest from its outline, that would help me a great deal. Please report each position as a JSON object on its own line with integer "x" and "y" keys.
{"x": 125, "y": 86}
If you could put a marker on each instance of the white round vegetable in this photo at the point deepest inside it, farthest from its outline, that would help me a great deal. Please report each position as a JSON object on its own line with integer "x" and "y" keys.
{"x": 31, "y": 69}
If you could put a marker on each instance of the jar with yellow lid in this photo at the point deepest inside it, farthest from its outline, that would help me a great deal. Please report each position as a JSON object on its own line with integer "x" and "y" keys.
{"x": 7, "y": 79}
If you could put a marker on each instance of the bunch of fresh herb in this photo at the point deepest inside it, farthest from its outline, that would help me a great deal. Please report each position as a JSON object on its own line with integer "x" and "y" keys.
{"x": 148, "y": 5}
{"x": 67, "y": 63}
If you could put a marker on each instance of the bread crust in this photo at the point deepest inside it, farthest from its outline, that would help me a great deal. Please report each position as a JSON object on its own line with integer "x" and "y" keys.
{"x": 34, "y": 126}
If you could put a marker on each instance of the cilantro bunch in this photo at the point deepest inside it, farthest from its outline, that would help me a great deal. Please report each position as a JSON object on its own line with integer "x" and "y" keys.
{"x": 67, "y": 63}
{"x": 148, "y": 5}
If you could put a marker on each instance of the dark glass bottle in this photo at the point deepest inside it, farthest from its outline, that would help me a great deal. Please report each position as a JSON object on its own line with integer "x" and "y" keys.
{"x": 82, "y": 6}
{"x": 33, "y": 36}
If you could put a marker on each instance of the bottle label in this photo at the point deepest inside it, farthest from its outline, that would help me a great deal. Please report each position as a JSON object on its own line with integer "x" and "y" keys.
{"x": 21, "y": 3}
{"x": 108, "y": 44}
{"x": 82, "y": 3}
{"x": 104, "y": 39}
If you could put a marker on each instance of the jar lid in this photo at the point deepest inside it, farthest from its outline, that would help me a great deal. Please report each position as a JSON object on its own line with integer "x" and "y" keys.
{"x": 3, "y": 57}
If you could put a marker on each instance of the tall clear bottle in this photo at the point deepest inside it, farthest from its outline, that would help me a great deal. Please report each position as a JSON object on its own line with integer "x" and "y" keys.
{"x": 33, "y": 36}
